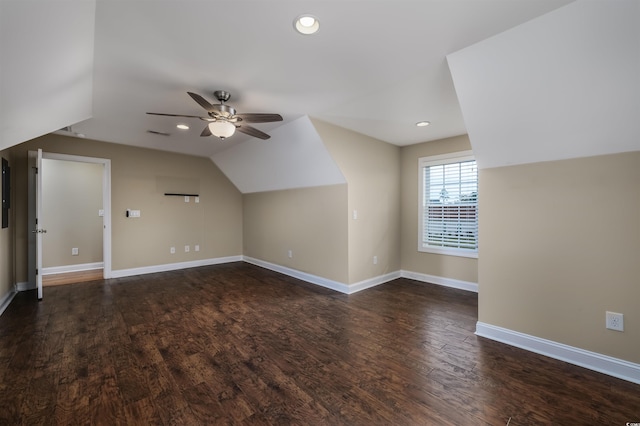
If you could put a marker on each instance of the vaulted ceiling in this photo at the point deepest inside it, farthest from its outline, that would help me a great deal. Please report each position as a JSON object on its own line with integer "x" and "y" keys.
{"x": 375, "y": 67}
{"x": 527, "y": 80}
{"x": 564, "y": 85}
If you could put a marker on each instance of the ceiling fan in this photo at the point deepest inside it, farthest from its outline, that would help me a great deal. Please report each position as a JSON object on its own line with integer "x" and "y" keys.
{"x": 223, "y": 119}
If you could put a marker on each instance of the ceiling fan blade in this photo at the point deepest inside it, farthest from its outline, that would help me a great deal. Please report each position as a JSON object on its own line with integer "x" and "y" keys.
{"x": 259, "y": 118}
{"x": 176, "y": 115}
{"x": 206, "y": 132}
{"x": 201, "y": 101}
{"x": 252, "y": 131}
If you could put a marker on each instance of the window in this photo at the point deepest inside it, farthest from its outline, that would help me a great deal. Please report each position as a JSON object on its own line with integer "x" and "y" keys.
{"x": 448, "y": 208}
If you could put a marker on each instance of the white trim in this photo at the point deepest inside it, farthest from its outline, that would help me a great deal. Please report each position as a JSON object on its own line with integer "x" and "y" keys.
{"x": 372, "y": 282}
{"x": 106, "y": 200}
{"x": 452, "y": 157}
{"x": 6, "y": 300}
{"x": 325, "y": 282}
{"x": 448, "y": 251}
{"x": 106, "y": 206}
{"x": 437, "y": 160}
{"x": 52, "y": 270}
{"x": 593, "y": 361}
{"x": 24, "y": 286}
{"x": 120, "y": 273}
{"x": 310, "y": 278}
{"x": 446, "y": 282}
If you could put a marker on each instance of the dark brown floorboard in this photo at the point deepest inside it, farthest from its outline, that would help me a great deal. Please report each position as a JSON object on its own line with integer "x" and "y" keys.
{"x": 237, "y": 344}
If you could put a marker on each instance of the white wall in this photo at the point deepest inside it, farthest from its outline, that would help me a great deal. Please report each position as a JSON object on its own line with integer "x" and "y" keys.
{"x": 71, "y": 198}
{"x": 46, "y": 71}
{"x": 294, "y": 157}
{"x": 564, "y": 85}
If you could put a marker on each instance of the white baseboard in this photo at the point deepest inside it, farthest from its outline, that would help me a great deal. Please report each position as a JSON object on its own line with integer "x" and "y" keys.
{"x": 24, "y": 286}
{"x": 310, "y": 278}
{"x": 447, "y": 282}
{"x": 52, "y": 270}
{"x": 593, "y": 361}
{"x": 324, "y": 282}
{"x": 372, "y": 282}
{"x": 6, "y": 300}
{"x": 363, "y": 285}
{"x": 173, "y": 266}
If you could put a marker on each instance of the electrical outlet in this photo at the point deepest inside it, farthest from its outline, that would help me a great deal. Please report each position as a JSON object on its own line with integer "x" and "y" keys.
{"x": 172, "y": 250}
{"x": 196, "y": 247}
{"x": 290, "y": 254}
{"x": 186, "y": 249}
{"x": 186, "y": 198}
{"x": 196, "y": 200}
{"x": 375, "y": 260}
{"x": 615, "y": 321}
{"x": 74, "y": 251}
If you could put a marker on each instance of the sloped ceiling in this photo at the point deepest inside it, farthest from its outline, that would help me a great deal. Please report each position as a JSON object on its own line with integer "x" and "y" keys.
{"x": 536, "y": 79}
{"x": 564, "y": 85}
{"x": 46, "y": 67}
{"x": 375, "y": 67}
{"x": 295, "y": 157}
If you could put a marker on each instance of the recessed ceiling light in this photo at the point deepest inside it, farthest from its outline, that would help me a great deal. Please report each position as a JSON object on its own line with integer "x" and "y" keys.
{"x": 306, "y": 24}
{"x": 182, "y": 127}
{"x": 422, "y": 123}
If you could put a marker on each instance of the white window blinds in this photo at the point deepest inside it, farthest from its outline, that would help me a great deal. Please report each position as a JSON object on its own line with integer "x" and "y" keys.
{"x": 449, "y": 204}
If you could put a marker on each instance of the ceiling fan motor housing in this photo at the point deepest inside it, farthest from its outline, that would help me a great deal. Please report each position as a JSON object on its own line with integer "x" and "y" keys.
{"x": 222, "y": 96}
{"x": 222, "y": 111}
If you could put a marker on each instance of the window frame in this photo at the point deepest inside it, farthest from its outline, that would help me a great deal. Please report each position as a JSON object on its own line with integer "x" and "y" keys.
{"x": 437, "y": 160}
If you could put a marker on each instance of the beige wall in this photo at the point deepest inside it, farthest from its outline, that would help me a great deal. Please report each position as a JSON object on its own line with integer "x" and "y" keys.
{"x": 6, "y": 238}
{"x": 560, "y": 245}
{"x": 71, "y": 199}
{"x": 308, "y": 221}
{"x": 372, "y": 170}
{"x": 459, "y": 268}
{"x": 559, "y": 241}
{"x": 139, "y": 179}
{"x": 317, "y": 223}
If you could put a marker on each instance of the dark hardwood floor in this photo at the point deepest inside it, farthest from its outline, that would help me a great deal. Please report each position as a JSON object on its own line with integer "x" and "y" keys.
{"x": 237, "y": 344}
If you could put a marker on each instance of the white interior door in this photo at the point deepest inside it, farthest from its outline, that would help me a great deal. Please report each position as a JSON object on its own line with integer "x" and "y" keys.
{"x": 38, "y": 229}
{"x": 35, "y": 215}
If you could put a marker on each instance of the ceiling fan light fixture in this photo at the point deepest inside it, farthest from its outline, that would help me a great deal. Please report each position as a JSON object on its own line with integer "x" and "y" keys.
{"x": 422, "y": 123}
{"x": 306, "y": 24}
{"x": 222, "y": 129}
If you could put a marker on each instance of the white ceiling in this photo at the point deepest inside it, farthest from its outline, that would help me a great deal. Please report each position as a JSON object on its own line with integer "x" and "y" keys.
{"x": 295, "y": 157}
{"x": 375, "y": 67}
{"x": 564, "y": 85}
{"x": 46, "y": 67}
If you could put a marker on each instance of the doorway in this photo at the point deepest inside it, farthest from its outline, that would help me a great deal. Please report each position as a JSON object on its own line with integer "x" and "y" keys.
{"x": 65, "y": 225}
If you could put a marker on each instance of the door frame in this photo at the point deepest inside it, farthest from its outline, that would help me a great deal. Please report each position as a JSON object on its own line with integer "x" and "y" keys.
{"x": 106, "y": 206}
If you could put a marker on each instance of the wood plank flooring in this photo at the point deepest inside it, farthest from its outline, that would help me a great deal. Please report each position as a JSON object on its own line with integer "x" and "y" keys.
{"x": 237, "y": 344}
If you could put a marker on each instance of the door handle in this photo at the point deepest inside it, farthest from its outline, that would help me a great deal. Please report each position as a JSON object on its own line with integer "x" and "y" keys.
{"x": 39, "y": 231}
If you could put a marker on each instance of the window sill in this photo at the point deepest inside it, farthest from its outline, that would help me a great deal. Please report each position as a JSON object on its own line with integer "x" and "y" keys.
{"x": 449, "y": 252}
